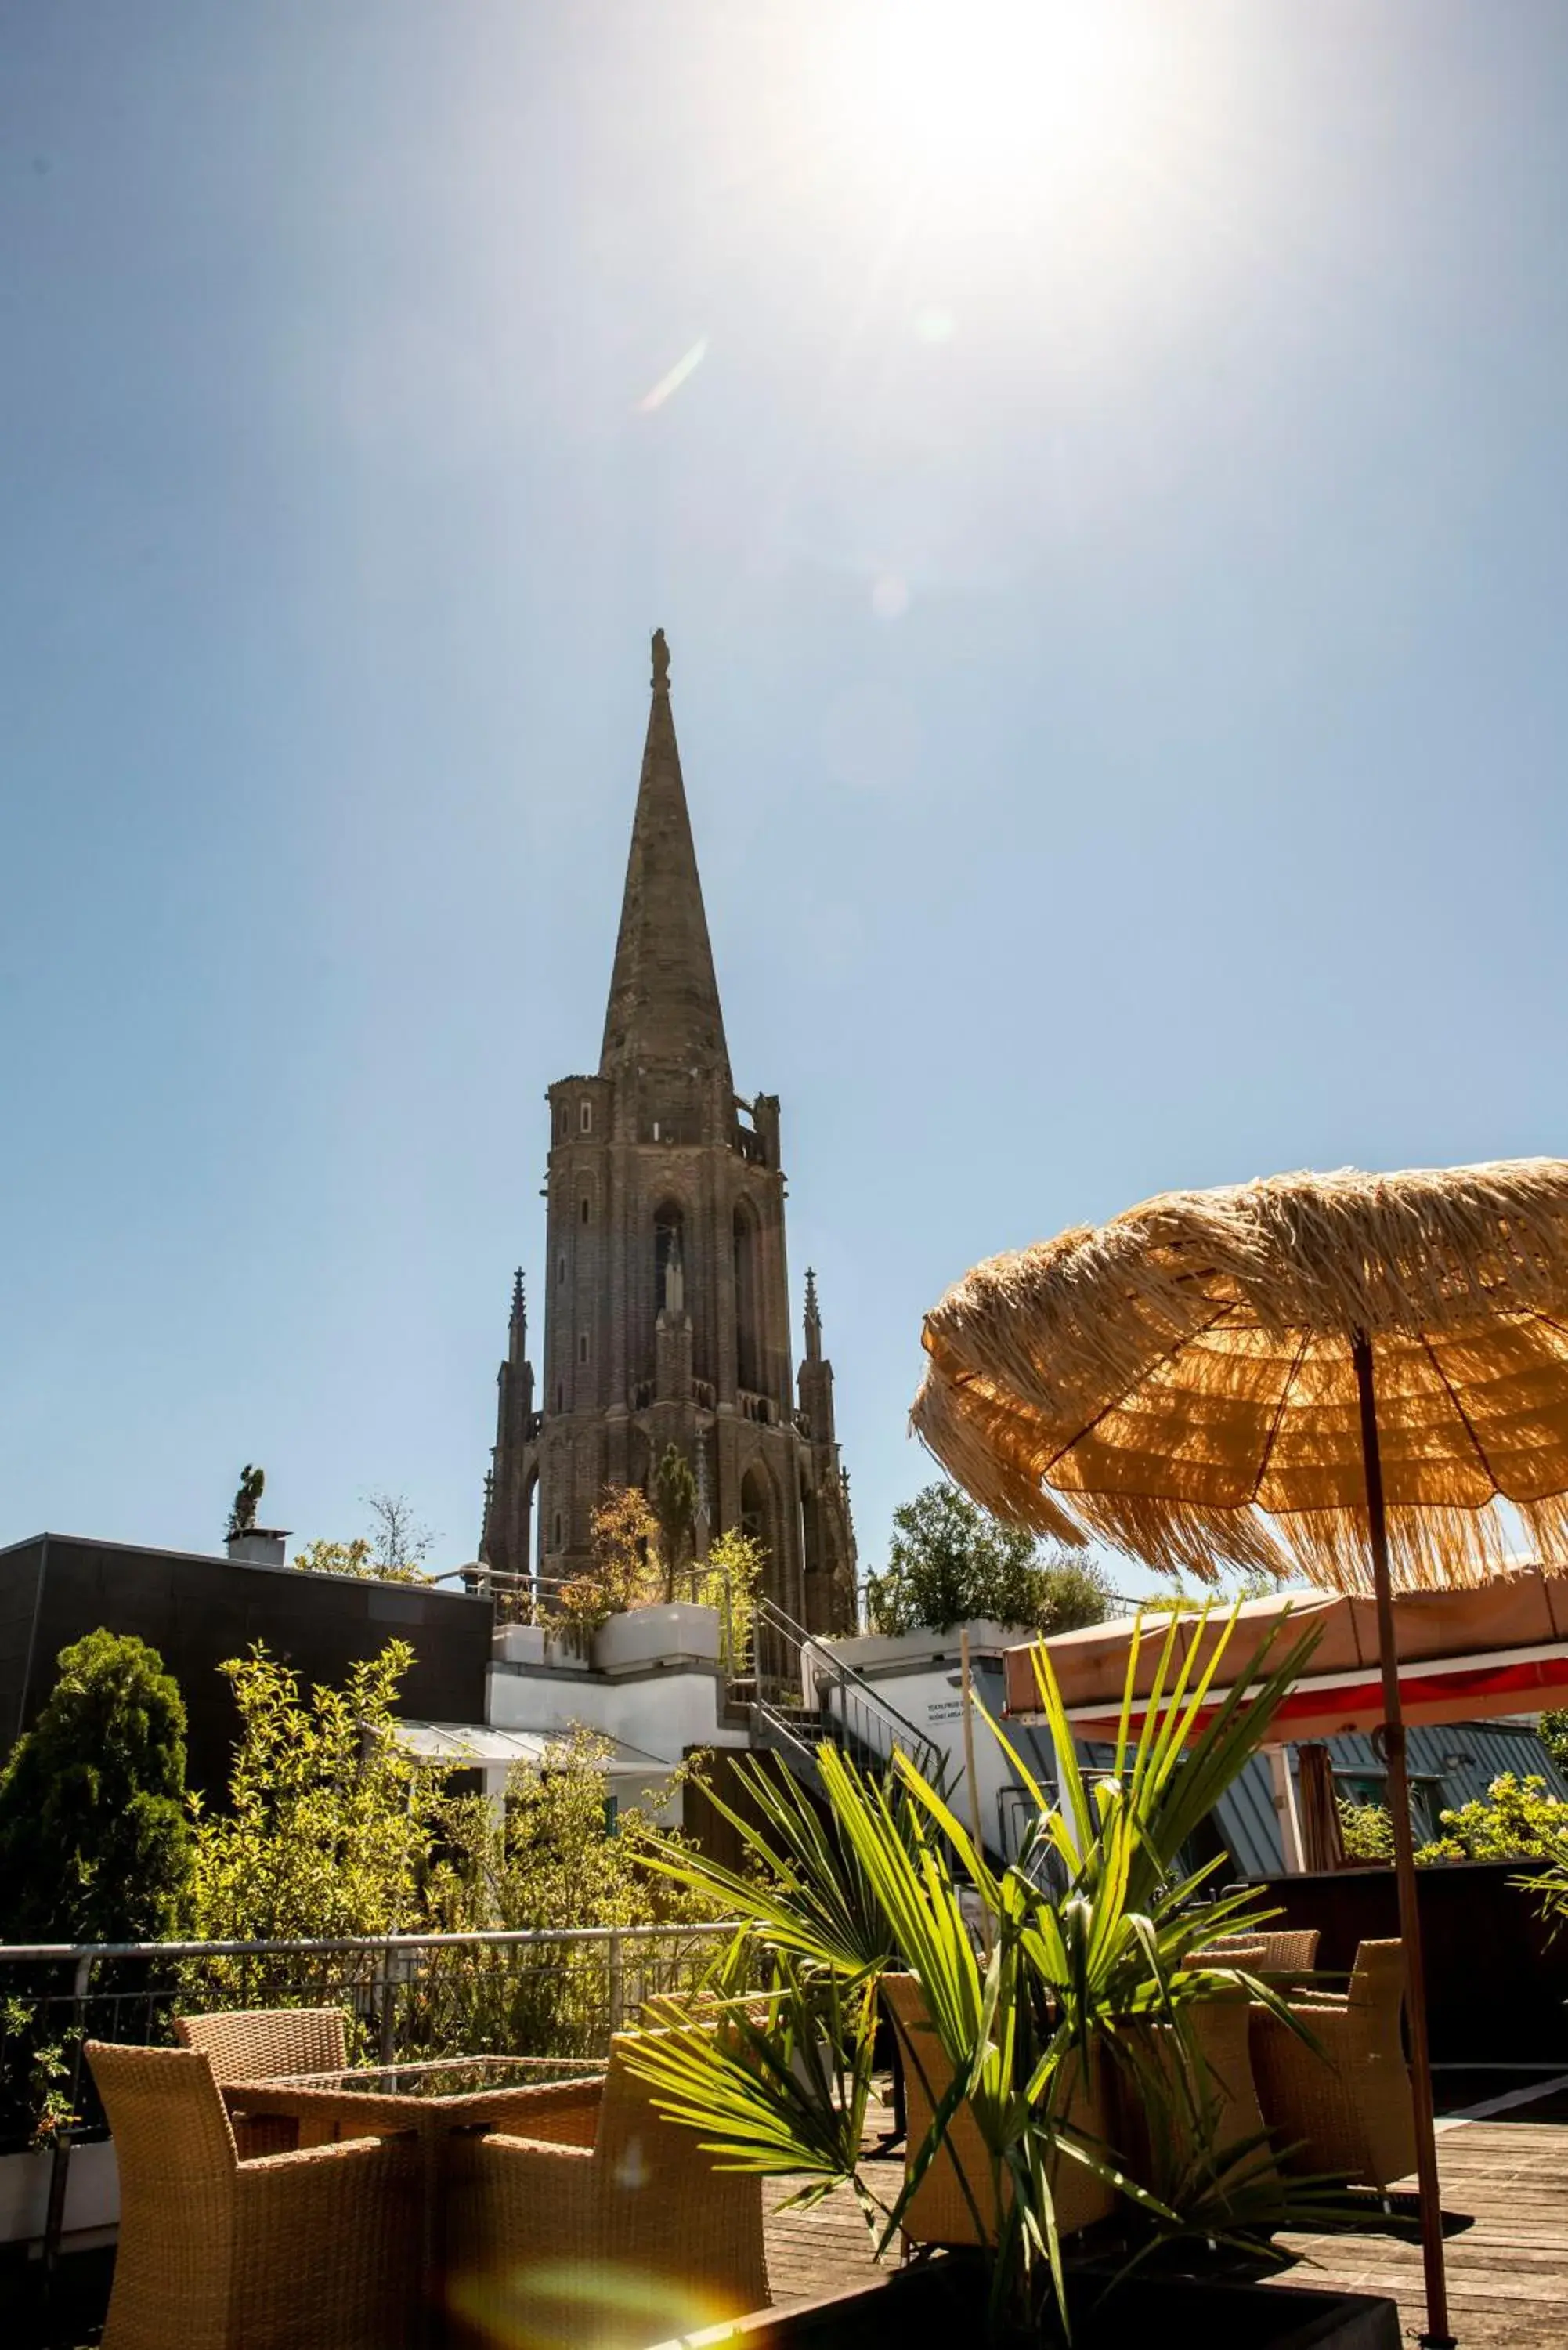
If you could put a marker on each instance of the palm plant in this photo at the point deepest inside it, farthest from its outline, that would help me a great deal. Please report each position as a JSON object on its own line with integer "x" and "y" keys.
{"x": 1090, "y": 1954}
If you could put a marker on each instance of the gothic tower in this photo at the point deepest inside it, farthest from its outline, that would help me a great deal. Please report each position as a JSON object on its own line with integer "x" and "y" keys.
{"x": 667, "y": 1313}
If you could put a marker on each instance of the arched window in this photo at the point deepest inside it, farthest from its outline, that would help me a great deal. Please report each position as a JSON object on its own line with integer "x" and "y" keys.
{"x": 748, "y": 1354}
{"x": 757, "y": 1507}
{"x": 585, "y": 1210}
{"x": 668, "y": 1258}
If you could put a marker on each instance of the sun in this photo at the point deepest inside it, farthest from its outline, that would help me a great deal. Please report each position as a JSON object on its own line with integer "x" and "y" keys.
{"x": 969, "y": 96}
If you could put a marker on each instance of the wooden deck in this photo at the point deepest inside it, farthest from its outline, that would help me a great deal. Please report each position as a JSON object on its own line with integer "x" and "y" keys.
{"x": 1505, "y": 2195}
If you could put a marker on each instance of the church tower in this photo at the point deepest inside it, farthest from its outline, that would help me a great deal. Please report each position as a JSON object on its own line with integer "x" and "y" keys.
{"x": 667, "y": 1316}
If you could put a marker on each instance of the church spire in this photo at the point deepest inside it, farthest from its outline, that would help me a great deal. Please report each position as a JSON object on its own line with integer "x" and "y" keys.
{"x": 663, "y": 1005}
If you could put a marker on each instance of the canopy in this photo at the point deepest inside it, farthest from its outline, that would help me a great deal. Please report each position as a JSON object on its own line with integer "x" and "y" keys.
{"x": 1463, "y": 1656}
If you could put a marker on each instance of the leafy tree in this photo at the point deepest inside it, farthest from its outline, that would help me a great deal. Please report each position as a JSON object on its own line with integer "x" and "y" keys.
{"x": 727, "y": 1579}
{"x": 400, "y": 1542}
{"x": 623, "y": 1570}
{"x": 675, "y": 1507}
{"x": 1553, "y": 1729}
{"x": 354, "y": 1557}
{"x": 1517, "y": 1820}
{"x": 555, "y": 1854}
{"x": 94, "y": 1843}
{"x": 951, "y": 1562}
{"x": 332, "y": 1823}
{"x": 243, "y": 1513}
{"x": 394, "y": 1551}
{"x": 1367, "y": 1831}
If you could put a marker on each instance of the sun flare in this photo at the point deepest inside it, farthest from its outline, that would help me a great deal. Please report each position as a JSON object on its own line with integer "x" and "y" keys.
{"x": 971, "y": 95}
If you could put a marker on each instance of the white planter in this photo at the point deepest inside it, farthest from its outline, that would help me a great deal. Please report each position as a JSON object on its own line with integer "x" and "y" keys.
{"x": 92, "y": 2192}
{"x": 531, "y": 1644}
{"x": 681, "y": 1634}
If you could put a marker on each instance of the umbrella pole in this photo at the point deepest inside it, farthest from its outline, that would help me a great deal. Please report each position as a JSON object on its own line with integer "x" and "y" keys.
{"x": 1436, "y": 2336}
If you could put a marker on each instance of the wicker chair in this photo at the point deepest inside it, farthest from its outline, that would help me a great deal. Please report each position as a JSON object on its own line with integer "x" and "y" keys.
{"x": 316, "y": 2251}
{"x": 1280, "y": 1954}
{"x": 260, "y": 2043}
{"x": 940, "y": 2213}
{"x": 1161, "y": 2131}
{"x": 636, "y": 2239}
{"x": 1353, "y": 2112}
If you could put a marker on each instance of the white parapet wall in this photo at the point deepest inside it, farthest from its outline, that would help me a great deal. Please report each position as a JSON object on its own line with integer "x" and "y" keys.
{"x": 654, "y": 1683}
{"x": 92, "y": 2194}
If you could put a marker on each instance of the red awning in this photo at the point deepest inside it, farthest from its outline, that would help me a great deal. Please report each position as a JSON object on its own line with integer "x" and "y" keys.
{"x": 1463, "y": 1656}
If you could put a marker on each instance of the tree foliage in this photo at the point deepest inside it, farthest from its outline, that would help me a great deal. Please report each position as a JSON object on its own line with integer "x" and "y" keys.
{"x": 94, "y": 1843}
{"x": 1366, "y": 1830}
{"x": 243, "y": 1512}
{"x": 555, "y": 1854}
{"x": 1516, "y": 1820}
{"x": 1553, "y": 1729}
{"x": 331, "y": 1824}
{"x": 675, "y": 1508}
{"x": 394, "y": 1551}
{"x": 728, "y": 1580}
{"x": 951, "y": 1562}
{"x": 623, "y": 1570}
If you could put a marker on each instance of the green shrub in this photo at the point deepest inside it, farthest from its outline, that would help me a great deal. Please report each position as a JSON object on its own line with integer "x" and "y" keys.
{"x": 94, "y": 1840}
{"x": 1517, "y": 1820}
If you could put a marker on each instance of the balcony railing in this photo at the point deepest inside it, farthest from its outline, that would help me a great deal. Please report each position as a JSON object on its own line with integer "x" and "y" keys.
{"x": 405, "y": 1996}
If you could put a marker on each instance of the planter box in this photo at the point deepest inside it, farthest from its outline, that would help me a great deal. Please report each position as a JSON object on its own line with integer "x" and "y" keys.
{"x": 530, "y": 1643}
{"x": 680, "y": 1633}
{"x": 92, "y": 2192}
{"x": 936, "y": 2308}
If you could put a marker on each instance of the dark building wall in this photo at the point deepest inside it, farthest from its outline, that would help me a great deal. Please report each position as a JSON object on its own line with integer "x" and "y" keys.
{"x": 197, "y": 1612}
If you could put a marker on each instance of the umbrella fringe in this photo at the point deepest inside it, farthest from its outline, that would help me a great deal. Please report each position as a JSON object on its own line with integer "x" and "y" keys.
{"x": 1166, "y": 1349}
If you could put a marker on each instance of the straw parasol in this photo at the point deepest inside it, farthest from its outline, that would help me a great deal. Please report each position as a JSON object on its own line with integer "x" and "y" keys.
{"x": 1344, "y": 1376}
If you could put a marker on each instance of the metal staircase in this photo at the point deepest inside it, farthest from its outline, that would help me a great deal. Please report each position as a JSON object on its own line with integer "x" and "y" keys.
{"x": 806, "y": 1696}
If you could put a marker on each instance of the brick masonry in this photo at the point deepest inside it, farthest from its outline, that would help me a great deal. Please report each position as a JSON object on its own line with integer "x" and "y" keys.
{"x": 667, "y": 1315}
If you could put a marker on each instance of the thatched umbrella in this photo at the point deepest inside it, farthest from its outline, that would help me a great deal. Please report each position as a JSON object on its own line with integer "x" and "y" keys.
{"x": 1340, "y": 1375}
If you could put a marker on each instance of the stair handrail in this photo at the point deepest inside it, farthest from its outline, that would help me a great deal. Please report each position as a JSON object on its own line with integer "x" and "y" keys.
{"x": 923, "y": 1750}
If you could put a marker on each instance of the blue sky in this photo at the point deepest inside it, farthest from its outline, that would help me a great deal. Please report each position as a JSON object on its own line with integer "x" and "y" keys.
{"x": 1111, "y": 535}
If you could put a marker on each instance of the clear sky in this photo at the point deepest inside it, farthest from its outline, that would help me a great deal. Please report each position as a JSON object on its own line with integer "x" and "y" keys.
{"x": 1103, "y": 474}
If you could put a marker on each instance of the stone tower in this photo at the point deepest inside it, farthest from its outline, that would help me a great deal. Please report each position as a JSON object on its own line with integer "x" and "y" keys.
{"x": 667, "y": 1315}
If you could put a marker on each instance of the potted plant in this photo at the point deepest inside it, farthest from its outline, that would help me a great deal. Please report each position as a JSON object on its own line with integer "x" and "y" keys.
{"x": 1060, "y": 1995}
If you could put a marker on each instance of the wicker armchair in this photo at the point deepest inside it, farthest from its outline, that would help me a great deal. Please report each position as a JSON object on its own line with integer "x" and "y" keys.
{"x": 1353, "y": 2112}
{"x": 1167, "y": 2112}
{"x": 1278, "y": 1954}
{"x": 260, "y": 2043}
{"x": 636, "y": 2239}
{"x": 316, "y": 2251}
{"x": 940, "y": 2213}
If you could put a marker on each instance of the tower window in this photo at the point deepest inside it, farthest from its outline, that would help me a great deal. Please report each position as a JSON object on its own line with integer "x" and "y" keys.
{"x": 557, "y": 1542}
{"x": 748, "y": 1369}
{"x": 585, "y": 1208}
{"x": 582, "y": 1345}
{"x": 669, "y": 1255}
{"x": 560, "y": 1396}
{"x": 585, "y": 1117}
{"x": 560, "y": 1269}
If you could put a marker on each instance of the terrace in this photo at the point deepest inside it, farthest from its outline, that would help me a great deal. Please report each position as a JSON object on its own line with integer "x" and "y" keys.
{"x": 1503, "y": 2135}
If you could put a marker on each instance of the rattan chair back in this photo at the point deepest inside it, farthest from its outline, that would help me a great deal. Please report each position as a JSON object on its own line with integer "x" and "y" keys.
{"x": 262, "y": 2043}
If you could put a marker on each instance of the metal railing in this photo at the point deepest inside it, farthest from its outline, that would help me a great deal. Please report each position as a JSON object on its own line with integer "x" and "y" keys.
{"x": 525, "y": 1992}
{"x": 809, "y": 1693}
